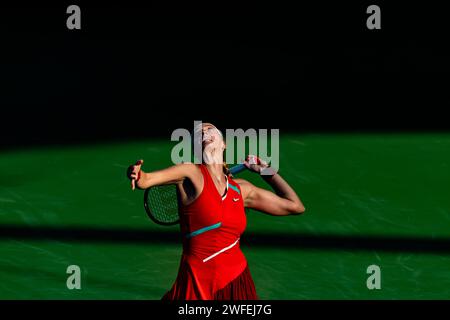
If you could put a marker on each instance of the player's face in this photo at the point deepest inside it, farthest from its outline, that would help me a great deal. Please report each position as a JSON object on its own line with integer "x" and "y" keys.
{"x": 212, "y": 143}
{"x": 211, "y": 135}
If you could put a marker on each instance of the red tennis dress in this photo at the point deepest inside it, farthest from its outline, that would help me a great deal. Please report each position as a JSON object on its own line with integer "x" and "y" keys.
{"x": 212, "y": 265}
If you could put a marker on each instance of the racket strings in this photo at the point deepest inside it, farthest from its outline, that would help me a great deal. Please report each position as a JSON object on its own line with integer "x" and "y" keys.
{"x": 163, "y": 203}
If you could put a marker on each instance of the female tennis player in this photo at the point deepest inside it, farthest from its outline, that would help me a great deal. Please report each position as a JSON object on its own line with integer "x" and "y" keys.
{"x": 212, "y": 219}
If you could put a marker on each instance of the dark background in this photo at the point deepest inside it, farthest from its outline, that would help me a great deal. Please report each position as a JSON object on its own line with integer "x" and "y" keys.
{"x": 140, "y": 70}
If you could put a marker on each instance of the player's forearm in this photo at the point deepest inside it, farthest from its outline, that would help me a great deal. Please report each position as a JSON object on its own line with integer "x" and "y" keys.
{"x": 151, "y": 179}
{"x": 284, "y": 190}
{"x": 170, "y": 175}
{"x": 145, "y": 180}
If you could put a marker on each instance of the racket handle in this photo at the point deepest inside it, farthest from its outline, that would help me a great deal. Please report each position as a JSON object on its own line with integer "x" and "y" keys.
{"x": 238, "y": 168}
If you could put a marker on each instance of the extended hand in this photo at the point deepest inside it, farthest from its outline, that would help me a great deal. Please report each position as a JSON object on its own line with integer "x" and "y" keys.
{"x": 134, "y": 173}
{"x": 255, "y": 164}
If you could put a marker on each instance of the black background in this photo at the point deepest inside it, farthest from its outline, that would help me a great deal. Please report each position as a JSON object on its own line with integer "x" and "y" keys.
{"x": 140, "y": 70}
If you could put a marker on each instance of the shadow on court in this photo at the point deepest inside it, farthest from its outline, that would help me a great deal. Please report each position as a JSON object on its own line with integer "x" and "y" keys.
{"x": 101, "y": 282}
{"x": 260, "y": 239}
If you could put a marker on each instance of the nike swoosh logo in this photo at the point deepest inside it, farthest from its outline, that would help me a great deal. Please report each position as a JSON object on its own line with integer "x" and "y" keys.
{"x": 235, "y": 199}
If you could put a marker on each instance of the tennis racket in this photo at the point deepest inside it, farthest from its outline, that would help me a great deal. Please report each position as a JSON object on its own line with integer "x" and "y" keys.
{"x": 161, "y": 202}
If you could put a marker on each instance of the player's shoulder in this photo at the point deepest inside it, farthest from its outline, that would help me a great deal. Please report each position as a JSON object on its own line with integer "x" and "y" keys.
{"x": 186, "y": 164}
{"x": 189, "y": 168}
{"x": 245, "y": 186}
{"x": 242, "y": 183}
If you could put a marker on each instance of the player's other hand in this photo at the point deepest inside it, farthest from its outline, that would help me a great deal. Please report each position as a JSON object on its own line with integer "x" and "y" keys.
{"x": 134, "y": 173}
{"x": 255, "y": 164}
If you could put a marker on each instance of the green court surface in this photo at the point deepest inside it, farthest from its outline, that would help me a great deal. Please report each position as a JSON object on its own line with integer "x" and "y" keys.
{"x": 378, "y": 199}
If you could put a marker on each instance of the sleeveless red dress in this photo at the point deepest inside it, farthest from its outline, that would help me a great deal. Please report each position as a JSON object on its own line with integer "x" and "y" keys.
{"x": 212, "y": 265}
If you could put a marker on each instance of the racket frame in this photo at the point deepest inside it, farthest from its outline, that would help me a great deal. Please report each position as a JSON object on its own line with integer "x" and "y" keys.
{"x": 150, "y": 214}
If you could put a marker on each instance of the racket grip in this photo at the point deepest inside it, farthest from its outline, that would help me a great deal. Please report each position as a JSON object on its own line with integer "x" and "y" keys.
{"x": 238, "y": 168}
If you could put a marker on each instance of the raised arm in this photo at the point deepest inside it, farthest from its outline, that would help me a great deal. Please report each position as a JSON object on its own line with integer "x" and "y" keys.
{"x": 283, "y": 201}
{"x": 171, "y": 175}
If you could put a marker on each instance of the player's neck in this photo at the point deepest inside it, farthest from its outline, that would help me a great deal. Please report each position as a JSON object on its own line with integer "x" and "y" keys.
{"x": 216, "y": 171}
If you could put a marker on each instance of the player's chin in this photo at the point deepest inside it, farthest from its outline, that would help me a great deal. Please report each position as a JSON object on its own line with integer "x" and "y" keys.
{"x": 206, "y": 143}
